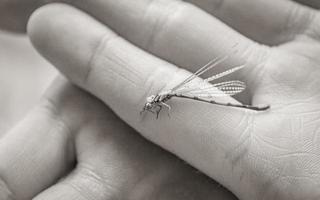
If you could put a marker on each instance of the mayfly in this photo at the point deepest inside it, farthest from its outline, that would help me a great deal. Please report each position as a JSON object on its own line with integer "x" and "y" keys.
{"x": 202, "y": 91}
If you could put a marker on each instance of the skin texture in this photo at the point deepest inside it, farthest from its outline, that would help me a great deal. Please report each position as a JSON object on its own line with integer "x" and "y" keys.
{"x": 271, "y": 155}
{"x": 73, "y": 136}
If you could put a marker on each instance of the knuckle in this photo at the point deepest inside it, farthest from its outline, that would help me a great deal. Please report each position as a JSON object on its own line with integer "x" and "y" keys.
{"x": 97, "y": 55}
{"x": 49, "y": 112}
{"x": 298, "y": 22}
{"x": 48, "y": 107}
{"x": 312, "y": 29}
{"x": 172, "y": 15}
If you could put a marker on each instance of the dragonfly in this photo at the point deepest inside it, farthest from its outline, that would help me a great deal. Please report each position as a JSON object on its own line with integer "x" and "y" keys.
{"x": 203, "y": 90}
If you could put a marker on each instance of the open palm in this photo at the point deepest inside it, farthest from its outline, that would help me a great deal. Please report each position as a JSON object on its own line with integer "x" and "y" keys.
{"x": 257, "y": 155}
{"x": 273, "y": 154}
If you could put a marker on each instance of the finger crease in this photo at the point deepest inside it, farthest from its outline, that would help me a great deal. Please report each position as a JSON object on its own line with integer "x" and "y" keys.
{"x": 298, "y": 22}
{"x": 311, "y": 26}
{"x": 104, "y": 40}
{"x": 93, "y": 177}
{"x": 160, "y": 23}
{"x": 6, "y": 190}
{"x": 51, "y": 108}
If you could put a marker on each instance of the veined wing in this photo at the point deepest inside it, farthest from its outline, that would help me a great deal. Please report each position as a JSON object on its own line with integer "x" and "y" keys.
{"x": 227, "y": 84}
{"x": 225, "y": 73}
{"x": 188, "y": 82}
{"x": 203, "y": 85}
{"x": 228, "y": 88}
{"x": 201, "y": 71}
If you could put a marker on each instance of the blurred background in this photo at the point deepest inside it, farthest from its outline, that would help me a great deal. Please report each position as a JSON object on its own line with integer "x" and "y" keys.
{"x": 24, "y": 76}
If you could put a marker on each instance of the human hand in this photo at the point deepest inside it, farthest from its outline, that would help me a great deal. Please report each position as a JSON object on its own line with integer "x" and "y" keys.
{"x": 72, "y": 146}
{"x": 40, "y": 150}
{"x": 266, "y": 155}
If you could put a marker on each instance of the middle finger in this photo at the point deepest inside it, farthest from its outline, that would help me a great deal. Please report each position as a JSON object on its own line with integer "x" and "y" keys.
{"x": 271, "y": 22}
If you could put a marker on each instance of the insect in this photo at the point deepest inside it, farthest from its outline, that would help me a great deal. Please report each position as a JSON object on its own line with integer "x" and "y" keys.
{"x": 202, "y": 91}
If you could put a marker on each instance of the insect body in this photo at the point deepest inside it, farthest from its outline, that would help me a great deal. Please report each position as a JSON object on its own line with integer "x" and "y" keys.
{"x": 155, "y": 103}
{"x": 201, "y": 91}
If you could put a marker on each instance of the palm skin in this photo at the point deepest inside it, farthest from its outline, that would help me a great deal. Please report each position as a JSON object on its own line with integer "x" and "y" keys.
{"x": 280, "y": 148}
{"x": 71, "y": 146}
{"x": 63, "y": 151}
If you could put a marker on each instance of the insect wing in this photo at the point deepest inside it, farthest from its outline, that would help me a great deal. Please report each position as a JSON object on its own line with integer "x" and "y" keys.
{"x": 207, "y": 91}
{"x": 225, "y": 73}
{"x": 201, "y": 71}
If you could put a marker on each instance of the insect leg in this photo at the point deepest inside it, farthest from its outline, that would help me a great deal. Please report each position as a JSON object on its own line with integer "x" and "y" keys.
{"x": 143, "y": 110}
{"x": 158, "y": 111}
{"x": 167, "y": 106}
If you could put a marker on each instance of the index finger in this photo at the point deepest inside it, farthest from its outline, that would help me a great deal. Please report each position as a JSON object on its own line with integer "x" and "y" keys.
{"x": 165, "y": 27}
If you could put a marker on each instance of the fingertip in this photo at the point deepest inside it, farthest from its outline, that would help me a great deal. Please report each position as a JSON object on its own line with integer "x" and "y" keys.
{"x": 65, "y": 36}
{"x": 40, "y": 24}
{"x": 42, "y": 29}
